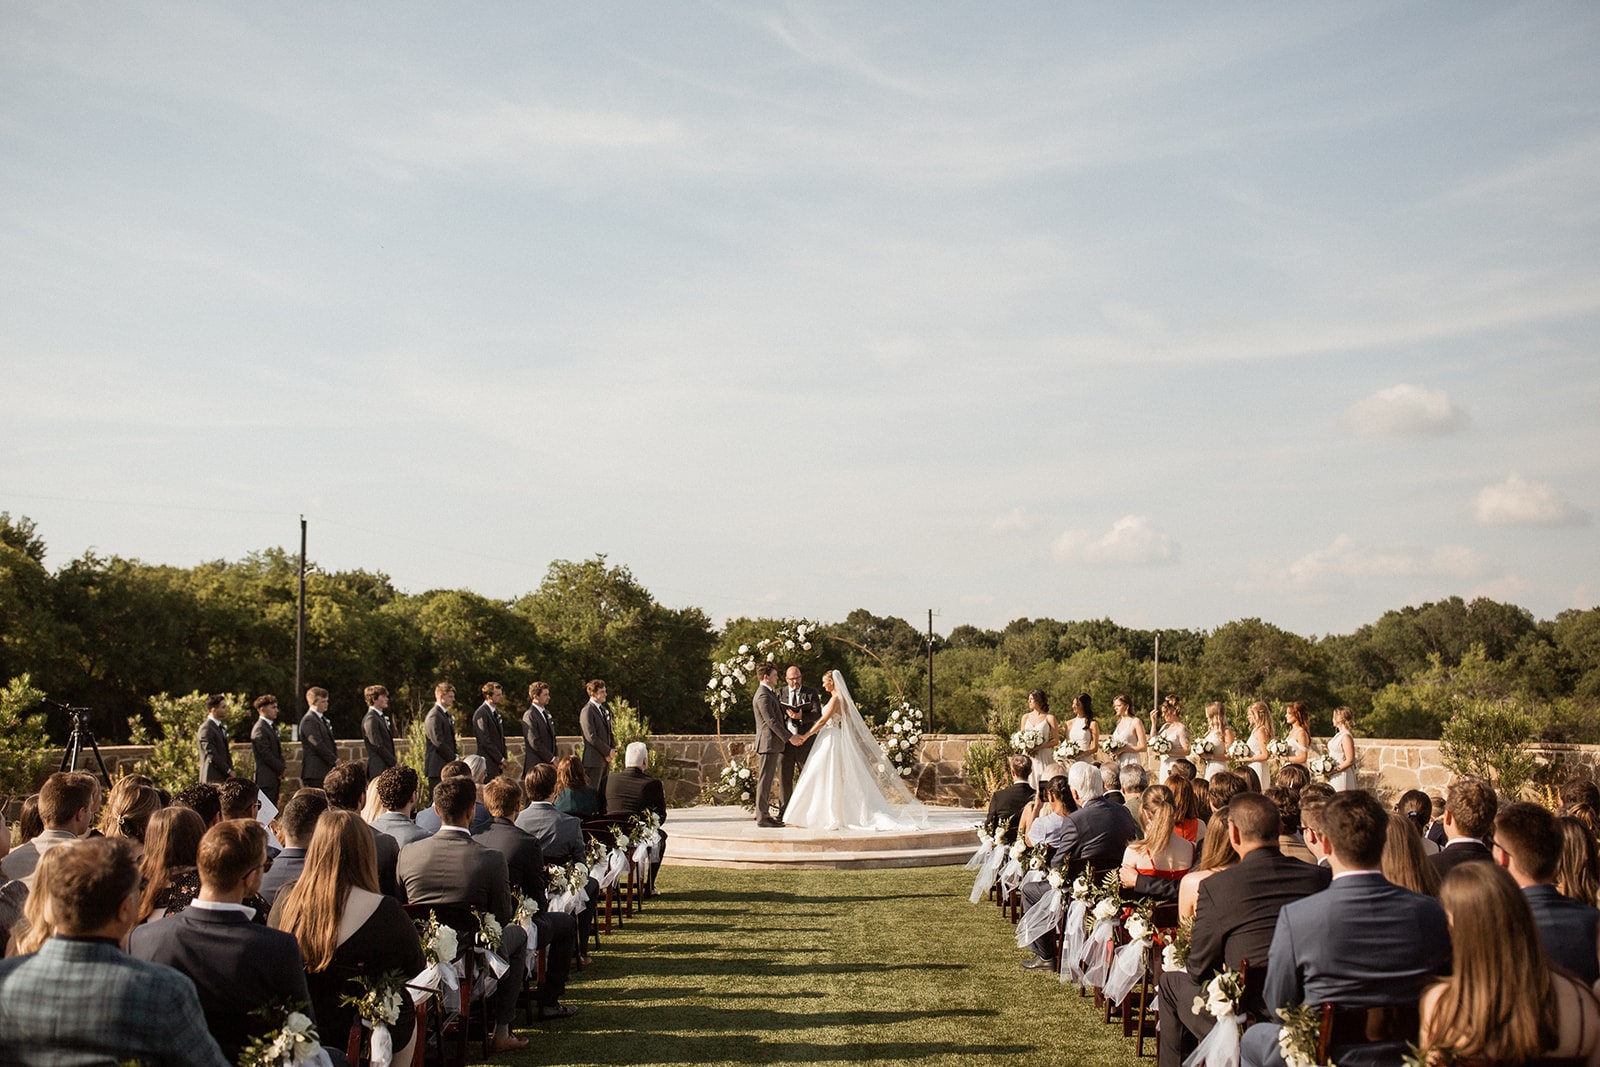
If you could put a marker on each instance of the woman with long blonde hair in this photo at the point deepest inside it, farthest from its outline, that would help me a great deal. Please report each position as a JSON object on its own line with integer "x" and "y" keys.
{"x": 1173, "y": 729}
{"x": 1576, "y": 873}
{"x": 1219, "y": 735}
{"x": 1162, "y": 853}
{"x": 1501, "y": 1002}
{"x": 1259, "y": 715}
{"x": 1405, "y": 861}
{"x": 345, "y": 926}
{"x": 1342, "y": 747}
{"x": 129, "y": 808}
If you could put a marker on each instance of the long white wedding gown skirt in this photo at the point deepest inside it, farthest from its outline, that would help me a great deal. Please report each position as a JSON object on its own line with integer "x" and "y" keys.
{"x": 837, "y": 792}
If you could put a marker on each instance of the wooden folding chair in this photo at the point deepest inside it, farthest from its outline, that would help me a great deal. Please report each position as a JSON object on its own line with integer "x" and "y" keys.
{"x": 464, "y": 920}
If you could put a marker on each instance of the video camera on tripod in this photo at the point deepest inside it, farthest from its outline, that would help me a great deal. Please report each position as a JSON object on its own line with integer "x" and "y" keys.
{"x": 82, "y": 732}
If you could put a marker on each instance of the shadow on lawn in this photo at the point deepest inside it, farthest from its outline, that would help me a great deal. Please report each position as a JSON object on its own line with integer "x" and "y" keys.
{"x": 654, "y": 965}
{"x": 753, "y": 1048}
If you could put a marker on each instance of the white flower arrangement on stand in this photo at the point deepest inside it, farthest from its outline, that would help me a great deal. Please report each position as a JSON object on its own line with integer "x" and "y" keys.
{"x": 900, "y": 736}
{"x": 726, "y": 687}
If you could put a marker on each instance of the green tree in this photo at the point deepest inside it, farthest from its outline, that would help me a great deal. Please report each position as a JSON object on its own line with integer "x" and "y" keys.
{"x": 1488, "y": 739}
{"x": 23, "y": 758}
{"x": 174, "y": 760}
{"x": 1263, "y": 662}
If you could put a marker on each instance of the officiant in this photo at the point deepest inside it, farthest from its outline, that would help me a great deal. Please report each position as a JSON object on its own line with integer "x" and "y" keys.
{"x": 802, "y": 707}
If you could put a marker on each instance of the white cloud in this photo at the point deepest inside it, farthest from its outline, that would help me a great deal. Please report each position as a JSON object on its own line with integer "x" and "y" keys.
{"x": 1131, "y": 540}
{"x": 1507, "y": 587}
{"x": 1012, "y": 521}
{"x": 1346, "y": 558}
{"x": 1405, "y": 411}
{"x": 1519, "y": 502}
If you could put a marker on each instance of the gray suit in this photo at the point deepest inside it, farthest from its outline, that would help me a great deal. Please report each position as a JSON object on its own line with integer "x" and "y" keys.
{"x": 491, "y": 735}
{"x": 772, "y": 737}
{"x": 269, "y": 757}
{"x": 539, "y": 736}
{"x": 216, "y": 761}
{"x": 560, "y": 835}
{"x": 318, "y": 753}
{"x": 400, "y": 827}
{"x": 440, "y": 746}
{"x": 594, "y": 722}
{"x": 379, "y": 741}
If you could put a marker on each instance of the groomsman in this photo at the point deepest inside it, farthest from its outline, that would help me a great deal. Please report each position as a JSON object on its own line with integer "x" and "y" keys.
{"x": 599, "y": 744}
{"x": 376, "y": 732}
{"x": 268, "y": 748}
{"x": 439, "y": 730}
{"x": 318, "y": 753}
{"x": 802, "y": 707}
{"x": 538, "y": 729}
{"x": 489, "y": 730}
{"x": 216, "y": 762}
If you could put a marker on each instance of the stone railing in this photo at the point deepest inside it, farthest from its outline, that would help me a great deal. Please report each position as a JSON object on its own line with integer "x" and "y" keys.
{"x": 1386, "y": 766}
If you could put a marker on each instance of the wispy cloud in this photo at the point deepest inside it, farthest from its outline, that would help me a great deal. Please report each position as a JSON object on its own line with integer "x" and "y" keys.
{"x": 1011, "y": 522}
{"x": 1520, "y": 502}
{"x": 1345, "y": 557}
{"x": 1132, "y": 540}
{"x": 1405, "y": 411}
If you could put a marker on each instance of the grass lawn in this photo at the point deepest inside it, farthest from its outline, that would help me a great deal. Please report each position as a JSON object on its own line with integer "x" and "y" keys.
{"x": 805, "y": 967}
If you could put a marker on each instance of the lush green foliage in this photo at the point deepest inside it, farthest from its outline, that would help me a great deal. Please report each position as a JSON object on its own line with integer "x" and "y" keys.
{"x": 174, "y": 760}
{"x": 23, "y": 758}
{"x": 112, "y": 633}
{"x": 1487, "y": 738}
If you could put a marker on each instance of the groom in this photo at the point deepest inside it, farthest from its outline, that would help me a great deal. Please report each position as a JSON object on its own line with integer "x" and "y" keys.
{"x": 772, "y": 739}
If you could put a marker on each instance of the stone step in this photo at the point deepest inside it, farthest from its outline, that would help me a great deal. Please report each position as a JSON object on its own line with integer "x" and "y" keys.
{"x": 729, "y": 837}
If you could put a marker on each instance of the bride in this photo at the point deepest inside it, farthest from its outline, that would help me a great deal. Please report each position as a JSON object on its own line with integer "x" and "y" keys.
{"x": 848, "y": 783}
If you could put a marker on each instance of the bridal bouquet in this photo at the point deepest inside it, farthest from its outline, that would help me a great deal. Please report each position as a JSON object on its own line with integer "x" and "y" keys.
{"x": 1322, "y": 766}
{"x": 1068, "y": 750}
{"x": 1025, "y": 741}
{"x": 1159, "y": 745}
{"x": 1239, "y": 751}
{"x": 293, "y": 1042}
{"x": 900, "y": 736}
{"x": 1278, "y": 748}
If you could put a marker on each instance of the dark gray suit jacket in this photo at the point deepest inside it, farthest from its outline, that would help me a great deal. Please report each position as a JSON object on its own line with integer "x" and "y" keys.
{"x": 269, "y": 756}
{"x": 1098, "y": 833}
{"x": 286, "y": 868}
{"x": 539, "y": 736}
{"x": 1235, "y": 918}
{"x": 318, "y": 753}
{"x": 1452, "y": 855}
{"x": 216, "y": 762}
{"x": 440, "y": 730}
{"x": 560, "y": 835}
{"x": 491, "y": 735}
{"x": 379, "y": 742}
{"x": 1568, "y": 928}
{"x": 451, "y": 868}
{"x": 771, "y": 733}
{"x": 595, "y": 725}
{"x": 237, "y": 967}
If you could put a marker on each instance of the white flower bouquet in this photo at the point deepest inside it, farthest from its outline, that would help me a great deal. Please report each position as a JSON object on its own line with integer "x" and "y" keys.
{"x": 1068, "y": 750}
{"x": 1160, "y": 745}
{"x": 1203, "y": 746}
{"x": 1112, "y": 745}
{"x": 1239, "y": 751}
{"x": 1219, "y": 998}
{"x": 1322, "y": 766}
{"x": 293, "y": 1042}
{"x": 1278, "y": 748}
{"x": 1025, "y": 741}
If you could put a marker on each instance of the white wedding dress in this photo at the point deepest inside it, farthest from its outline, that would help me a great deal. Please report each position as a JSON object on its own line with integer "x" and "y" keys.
{"x": 848, "y": 783}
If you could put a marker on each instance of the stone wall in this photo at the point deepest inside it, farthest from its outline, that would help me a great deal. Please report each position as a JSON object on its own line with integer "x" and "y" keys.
{"x": 1387, "y": 766}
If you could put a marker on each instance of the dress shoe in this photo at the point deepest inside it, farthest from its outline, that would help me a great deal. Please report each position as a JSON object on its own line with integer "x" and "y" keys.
{"x": 511, "y": 1043}
{"x": 1037, "y": 964}
{"x": 558, "y": 1011}
{"x": 767, "y": 823}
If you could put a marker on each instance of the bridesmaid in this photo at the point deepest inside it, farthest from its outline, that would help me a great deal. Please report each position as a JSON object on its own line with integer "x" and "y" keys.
{"x": 1038, "y": 717}
{"x": 1173, "y": 729}
{"x": 1220, "y": 734}
{"x": 1299, "y": 733}
{"x": 1130, "y": 731}
{"x": 1343, "y": 749}
{"x": 1260, "y": 716}
{"x": 1084, "y": 730}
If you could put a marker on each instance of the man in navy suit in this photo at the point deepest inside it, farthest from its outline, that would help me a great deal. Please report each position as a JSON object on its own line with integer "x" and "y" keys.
{"x": 1469, "y": 807}
{"x": 238, "y": 967}
{"x": 1363, "y": 944}
{"x": 1234, "y": 919}
{"x": 1527, "y": 843}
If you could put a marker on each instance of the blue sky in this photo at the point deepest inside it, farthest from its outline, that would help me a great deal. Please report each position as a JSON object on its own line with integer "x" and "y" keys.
{"x": 1172, "y": 313}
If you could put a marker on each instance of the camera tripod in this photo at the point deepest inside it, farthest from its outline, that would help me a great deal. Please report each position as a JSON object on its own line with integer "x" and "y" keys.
{"x": 82, "y": 733}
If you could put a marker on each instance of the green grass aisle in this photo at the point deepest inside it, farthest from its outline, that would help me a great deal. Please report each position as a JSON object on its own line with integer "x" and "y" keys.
{"x": 805, "y": 967}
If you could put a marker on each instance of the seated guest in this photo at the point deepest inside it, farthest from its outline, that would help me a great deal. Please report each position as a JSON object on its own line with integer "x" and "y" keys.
{"x": 1187, "y": 824}
{"x": 1401, "y": 941}
{"x": 1133, "y": 780}
{"x": 1182, "y": 768}
{"x": 345, "y": 926}
{"x": 1435, "y": 830}
{"x": 1527, "y": 843}
{"x": 1160, "y": 854}
{"x": 171, "y": 880}
{"x": 238, "y": 968}
{"x": 560, "y": 835}
{"x": 80, "y": 998}
{"x": 397, "y": 797}
{"x": 1099, "y": 831}
{"x": 1580, "y": 798}
{"x": 1111, "y": 783}
{"x": 1405, "y": 863}
{"x": 1292, "y": 776}
{"x": 239, "y": 798}
{"x": 632, "y": 791}
{"x": 1048, "y": 829}
{"x": 346, "y": 786}
{"x": 66, "y": 809}
{"x": 1216, "y": 854}
{"x": 294, "y": 826}
{"x": 1415, "y": 805}
{"x": 29, "y": 825}
{"x": 1236, "y": 911}
{"x": 1050, "y": 801}
{"x": 1502, "y": 1003}
{"x": 451, "y": 868}
{"x": 473, "y": 769}
{"x": 1005, "y": 807}
{"x": 204, "y": 800}
{"x": 1289, "y": 841}
{"x": 1469, "y": 807}
{"x": 1578, "y": 872}
{"x": 525, "y": 867}
{"x": 127, "y": 813}
{"x": 574, "y": 795}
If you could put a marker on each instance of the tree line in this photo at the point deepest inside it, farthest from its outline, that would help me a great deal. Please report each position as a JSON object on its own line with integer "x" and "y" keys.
{"x": 111, "y": 633}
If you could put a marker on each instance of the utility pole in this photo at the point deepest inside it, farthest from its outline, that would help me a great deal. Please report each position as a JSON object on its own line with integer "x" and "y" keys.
{"x": 1155, "y": 696}
{"x": 300, "y": 625}
{"x": 930, "y": 671}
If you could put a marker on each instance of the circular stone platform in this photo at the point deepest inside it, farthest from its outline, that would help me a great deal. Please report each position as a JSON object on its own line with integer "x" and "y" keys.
{"x": 729, "y": 837}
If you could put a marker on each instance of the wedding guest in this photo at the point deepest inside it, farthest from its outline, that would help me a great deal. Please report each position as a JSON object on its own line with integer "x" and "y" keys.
{"x": 1236, "y": 911}
{"x": 1182, "y": 768}
{"x": 1415, "y": 806}
{"x": 29, "y": 824}
{"x": 1129, "y": 729}
{"x": 1342, "y": 747}
{"x": 294, "y": 826}
{"x": 1202, "y": 800}
{"x": 170, "y": 869}
{"x": 377, "y": 733}
{"x": 1173, "y": 729}
{"x": 1097, "y": 833}
{"x": 66, "y": 809}
{"x": 346, "y": 787}
{"x": 633, "y": 791}
{"x": 1222, "y": 788}
{"x": 451, "y": 868}
{"x": 1049, "y": 829}
{"x": 1578, "y": 872}
{"x": 1007, "y": 805}
{"x": 1298, "y": 717}
{"x": 1292, "y": 776}
{"x": 1312, "y": 801}
{"x": 489, "y": 730}
{"x": 318, "y": 752}
{"x": 1111, "y": 783}
{"x": 1580, "y": 798}
{"x": 397, "y": 797}
{"x": 559, "y": 834}
{"x": 1186, "y": 822}
{"x": 471, "y": 768}
{"x": 80, "y": 998}
{"x": 1289, "y": 840}
{"x": 1133, "y": 780}
{"x": 1502, "y": 1003}
{"x": 599, "y": 742}
{"x": 1527, "y": 843}
{"x": 211, "y": 740}
{"x": 129, "y": 805}
{"x": 1404, "y": 941}
{"x": 1216, "y": 855}
{"x": 1252, "y": 779}
{"x": 1042, "y": 758}
{"x": 267, "y": 748}
{"x": 1435, "y": 831}
{"x": 1469, "y": 809}
{"x": 439, "y": 733}
{"x": 1161, "y": 854}
{"x": 345, "y": 926}
{"x": 574, "y": 795}
{"x": 204, "y": 799}
{"x": 1218, "y": 735}
{"x": 238, "y": 798}
{"x": 538, "y": 728}
{"x": 1083, "y": 729}
{"x": 238, "y": 967}
{"x": 1405, "y": 863}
